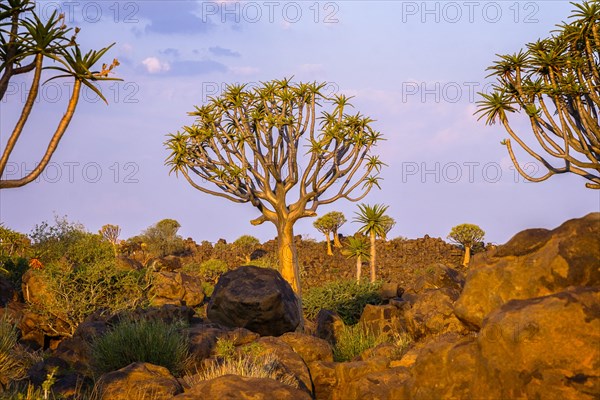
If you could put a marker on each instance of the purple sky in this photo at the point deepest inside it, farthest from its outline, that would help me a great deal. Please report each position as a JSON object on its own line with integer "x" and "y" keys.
{"x": 413, "y": 66}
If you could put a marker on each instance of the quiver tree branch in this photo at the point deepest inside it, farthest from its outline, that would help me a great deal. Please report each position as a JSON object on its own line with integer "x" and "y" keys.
{"x": 25, "y": 43}
{"x": 555, "y": 82}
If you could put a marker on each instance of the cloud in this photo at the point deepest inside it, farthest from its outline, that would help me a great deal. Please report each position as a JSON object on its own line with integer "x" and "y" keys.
{"x": 154, "y": 65}
{"x": 221, "y": 51}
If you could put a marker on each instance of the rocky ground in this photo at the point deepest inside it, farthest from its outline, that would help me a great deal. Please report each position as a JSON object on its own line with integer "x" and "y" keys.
{"x": 523, "y": 321}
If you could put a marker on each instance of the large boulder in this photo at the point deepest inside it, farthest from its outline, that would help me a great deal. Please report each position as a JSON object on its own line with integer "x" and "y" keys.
{"x": 241, "y": 387}
{"x": 137, "y": 381}
{"x": 534, "y": 263}
{"x": 541, "y": 348}
{"x": 255, "y": 298}
{"x": 432, "y": 312}
{"x": 548, "y": 347}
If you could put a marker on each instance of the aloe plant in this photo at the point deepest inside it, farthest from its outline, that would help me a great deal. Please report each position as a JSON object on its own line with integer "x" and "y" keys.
{"x": 26, "y": 42}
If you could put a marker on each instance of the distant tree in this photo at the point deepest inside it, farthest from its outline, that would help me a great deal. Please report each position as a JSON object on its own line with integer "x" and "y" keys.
{"x": 338, "y": 219}
{"x": 323, "y": 225}
{"x": 162, "y": 238}
{"x": 271, "y": 147}
{"x": 359, "y": 248}
{"x": 555, "y": 83}
{"x": 245, "y": 245}
{"x": 329, "y": 224}
{"x": 26, "y": 41}
{"x": 374, "y": 223}
{"x": 467, "y": 235}
{"x": 111, "y": 233}
{"x": 388, "y": 223}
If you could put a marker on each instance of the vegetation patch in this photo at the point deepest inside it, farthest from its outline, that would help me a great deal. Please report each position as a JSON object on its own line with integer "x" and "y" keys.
{"x": 348, "y": 298}
{"x": 145, "y": 340}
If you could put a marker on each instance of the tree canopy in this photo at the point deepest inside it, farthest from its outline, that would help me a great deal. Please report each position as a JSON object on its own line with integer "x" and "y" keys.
{"x": 284, "y": 147}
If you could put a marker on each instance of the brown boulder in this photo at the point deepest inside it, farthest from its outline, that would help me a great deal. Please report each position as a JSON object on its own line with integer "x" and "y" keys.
{"x": 390, "y": 384}
{"x": 432, "y": 312}
{"x": 547, "y": 347}
{"x": 308, "y": 347}
{"x": 139, "y": 380}
{"x": 381, "y": 319}
{"x": 255, "y": 298}
{"x": 329, "y": 326}
{"x": 533, "y": 263}
{"x": 176, "y": 288}
{"x": 240, "y": 387}
{"x": 438, "y": 276}
{"x": 449, "y": 367}
{"x": 288, "y": 360}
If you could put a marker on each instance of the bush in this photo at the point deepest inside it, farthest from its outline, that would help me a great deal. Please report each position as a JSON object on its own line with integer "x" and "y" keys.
{"x": 152, "y": 341}
{"x": 353, "y": 340}
{"x": 74, "y": 293}
{"x": 347, "y": 298}
{"x": 210, "y": 270}
{"x": 14, "y": 360}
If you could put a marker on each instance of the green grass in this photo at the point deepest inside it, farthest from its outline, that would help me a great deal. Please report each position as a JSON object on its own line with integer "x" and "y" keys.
{"x": 151, "y": 341}
{"x": 355, "y": 339}
{"x": 347, "y": 298}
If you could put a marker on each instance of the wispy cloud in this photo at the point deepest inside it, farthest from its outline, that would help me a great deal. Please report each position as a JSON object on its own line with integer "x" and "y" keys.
{"x": 221, "y": 51}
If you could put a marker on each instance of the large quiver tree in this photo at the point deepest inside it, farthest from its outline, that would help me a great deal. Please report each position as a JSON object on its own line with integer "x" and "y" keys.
{"x": 272, "y": 147}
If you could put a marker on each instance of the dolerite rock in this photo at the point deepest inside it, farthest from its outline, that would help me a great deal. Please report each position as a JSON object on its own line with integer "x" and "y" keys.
{"x": 534, "y": 263}
{"x": 242, "y": 387}
{"x": 255, "y": 298}
{"x": 139, "y": 381}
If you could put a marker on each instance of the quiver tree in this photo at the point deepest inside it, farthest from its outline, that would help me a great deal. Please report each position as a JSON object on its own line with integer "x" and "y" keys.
{"x": 162, "y": 239}
{"x": 329, "y": 224}
{"x": 283, "y": 147}
{"x": 359, "y": 248}
{"x": 26, "y": 42}
{"x": 111, "y": 234}
{"x": 374, "y": 223}
{"x": 467, "y": 235}
{"x": 246, "y": 245}
{"x": 555, "y": 82}
{"x": 338, "y": 219}
{"x": 323, "y": 225}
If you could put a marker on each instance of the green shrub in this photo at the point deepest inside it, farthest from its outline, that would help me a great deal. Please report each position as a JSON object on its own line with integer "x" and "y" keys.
{"x": 210, "y": 270}
{"x": 353, "y": 340}
{"x": 13, "y": 269}
{"x": 14, "y": 359}
{"x": 347, "y": 298}
{"x": 74, "y": 293}
{"x": 152, "y": 341}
